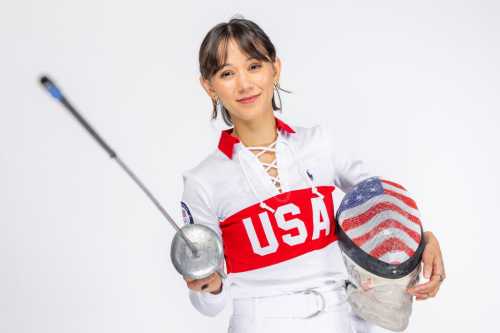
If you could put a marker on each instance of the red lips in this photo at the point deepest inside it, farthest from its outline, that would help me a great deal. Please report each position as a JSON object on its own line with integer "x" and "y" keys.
{"x": 249, "y": 99}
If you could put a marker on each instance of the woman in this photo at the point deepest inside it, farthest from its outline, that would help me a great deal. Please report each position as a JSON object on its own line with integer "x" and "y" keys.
{"x": 265, "y": 191}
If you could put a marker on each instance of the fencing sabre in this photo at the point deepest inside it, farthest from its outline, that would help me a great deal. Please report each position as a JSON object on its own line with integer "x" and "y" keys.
{"x": 196, "y": 250}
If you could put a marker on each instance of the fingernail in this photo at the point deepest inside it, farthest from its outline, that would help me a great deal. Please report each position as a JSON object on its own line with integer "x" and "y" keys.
{"x": 205, "y": 286}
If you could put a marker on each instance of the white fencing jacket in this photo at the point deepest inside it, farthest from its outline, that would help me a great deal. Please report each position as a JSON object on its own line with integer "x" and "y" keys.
{"x": 273, "y": 242}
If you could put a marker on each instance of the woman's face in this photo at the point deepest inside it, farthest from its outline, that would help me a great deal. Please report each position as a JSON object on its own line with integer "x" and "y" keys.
{"x": 242, "y": 77}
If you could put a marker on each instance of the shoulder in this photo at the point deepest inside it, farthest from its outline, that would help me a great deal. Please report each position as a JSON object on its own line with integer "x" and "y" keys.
{"x": 317, "y": 131}
{"x": 305, "y": 133}
{"x": 197, "y": 192}
{"x": 208, "y": 171}
{"x": 314, "y": 137}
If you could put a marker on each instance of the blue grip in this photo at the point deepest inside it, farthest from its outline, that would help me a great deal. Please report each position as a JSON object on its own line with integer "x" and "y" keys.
{"x": 56, "y": 93}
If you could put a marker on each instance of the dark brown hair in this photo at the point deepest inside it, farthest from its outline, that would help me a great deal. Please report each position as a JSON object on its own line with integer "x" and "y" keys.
{"x": 252, "y": 40}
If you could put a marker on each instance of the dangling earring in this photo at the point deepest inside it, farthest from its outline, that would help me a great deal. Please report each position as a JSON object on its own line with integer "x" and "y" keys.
{"x": 276, "y": 89}
{"x": 218, "y": 105}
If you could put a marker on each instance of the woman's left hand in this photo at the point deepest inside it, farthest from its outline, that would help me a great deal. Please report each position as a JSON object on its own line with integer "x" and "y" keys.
{"x": 433, "y": 269}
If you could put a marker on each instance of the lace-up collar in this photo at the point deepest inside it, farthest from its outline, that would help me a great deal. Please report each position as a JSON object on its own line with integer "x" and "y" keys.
{"x": 227, "y": 141}
{"x": 226, "y": 146}
{"x": 268, "y": 166}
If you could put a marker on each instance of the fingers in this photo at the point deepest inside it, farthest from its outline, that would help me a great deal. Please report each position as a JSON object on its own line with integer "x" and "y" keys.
{"x": 433, "y": 266}
{"x": 426, "y": 290}
{"x": 432, "y": 258}
{"x": 424, "y": 296}
{"x": 428, "y": 260}
{"x": 433, "y": 270}
{"x": 438, "y": 268}
{"x": 211, "y": 283}
{"x": 197, "y": 284}
{"x": 428, "y": 286}
{"x": 428, "y": 265}
{"x": 421, "y": 297}
{"x": 434, "y": 293}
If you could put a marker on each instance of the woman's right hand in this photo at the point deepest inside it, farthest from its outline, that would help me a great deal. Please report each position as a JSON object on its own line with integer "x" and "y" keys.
{"x": 211, "y": 284}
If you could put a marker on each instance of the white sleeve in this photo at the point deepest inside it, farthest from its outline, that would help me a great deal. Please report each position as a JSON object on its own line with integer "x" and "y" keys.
{"x": 197, "y": 208}
{"x": 347, "y": 171}
{"x": 210, "y": 304}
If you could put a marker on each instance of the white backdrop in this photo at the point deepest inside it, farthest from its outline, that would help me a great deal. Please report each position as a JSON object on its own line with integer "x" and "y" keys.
{"x": 410, "y": 86}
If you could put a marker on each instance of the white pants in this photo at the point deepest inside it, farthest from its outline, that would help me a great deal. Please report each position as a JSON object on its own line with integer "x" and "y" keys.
{"x": 318, "y": 311}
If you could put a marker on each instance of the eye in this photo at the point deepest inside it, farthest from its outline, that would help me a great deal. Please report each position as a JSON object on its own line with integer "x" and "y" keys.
{"x": 225, "y": 74}
{"x": 255, "y": 66}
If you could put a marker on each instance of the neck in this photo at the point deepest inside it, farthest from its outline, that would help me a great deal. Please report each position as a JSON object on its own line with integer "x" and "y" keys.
{"x": 257, "y": 132}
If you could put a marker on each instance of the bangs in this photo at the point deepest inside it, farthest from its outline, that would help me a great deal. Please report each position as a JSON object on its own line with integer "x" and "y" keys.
{"x": 249, "y": 42}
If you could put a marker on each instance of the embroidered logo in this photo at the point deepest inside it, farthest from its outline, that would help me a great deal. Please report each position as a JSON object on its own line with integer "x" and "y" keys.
{"x": 309, "y": 174}
{"x": 186, "y": 214}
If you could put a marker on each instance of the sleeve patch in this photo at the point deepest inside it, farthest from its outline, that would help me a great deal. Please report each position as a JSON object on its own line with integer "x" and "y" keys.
{"x": 186, "y": 214}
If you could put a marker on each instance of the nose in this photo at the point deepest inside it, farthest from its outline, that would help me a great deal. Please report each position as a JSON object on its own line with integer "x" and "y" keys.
{"x": 245, "y": 84}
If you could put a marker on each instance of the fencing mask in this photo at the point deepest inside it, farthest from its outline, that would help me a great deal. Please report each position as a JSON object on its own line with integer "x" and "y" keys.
{"x": 381, "y": 238}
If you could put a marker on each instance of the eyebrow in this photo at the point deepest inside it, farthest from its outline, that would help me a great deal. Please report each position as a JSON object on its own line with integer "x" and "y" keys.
{"x": 227, "y": 64}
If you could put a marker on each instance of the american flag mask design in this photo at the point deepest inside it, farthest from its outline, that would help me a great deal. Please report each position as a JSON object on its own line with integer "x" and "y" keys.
{"x": 379, "y": 228}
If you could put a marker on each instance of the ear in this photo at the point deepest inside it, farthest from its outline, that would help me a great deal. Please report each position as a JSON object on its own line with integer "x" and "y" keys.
{"x": 277, "y": 69}
{"x": 207, "y": 86}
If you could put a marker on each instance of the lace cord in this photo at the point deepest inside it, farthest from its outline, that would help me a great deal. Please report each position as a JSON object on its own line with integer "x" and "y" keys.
{"x": 262, "y": 204}
{"x": 273, "y": 164}
{"x": 268, "y": 166}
